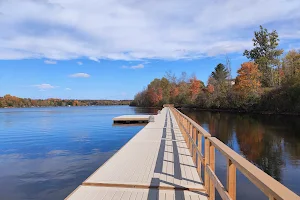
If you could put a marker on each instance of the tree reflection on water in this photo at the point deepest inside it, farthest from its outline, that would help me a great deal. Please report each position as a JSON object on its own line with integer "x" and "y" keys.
{"x": 269, "y": 141}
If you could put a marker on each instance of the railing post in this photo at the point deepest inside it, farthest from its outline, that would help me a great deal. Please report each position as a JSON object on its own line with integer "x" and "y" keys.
{"x": 192, "y": 146}
{"x": 195, "y": 142}
{"x": 186, "y": 124}
{"x": 212, "y": 166}
{"x": 188, "y": 138}
{"x": 185, "y": 133}
{"x": 191, "y": 136}
{"x": 206, "y": 176}
{"x": 231, "y": 179}
{"x": 199, "y": 138}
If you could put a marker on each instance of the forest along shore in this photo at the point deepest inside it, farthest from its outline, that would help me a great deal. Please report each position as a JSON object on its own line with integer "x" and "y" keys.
{"x": 268, "y": 83}
{"x": 9, "y": 101}
{"x": 217, "y": 110}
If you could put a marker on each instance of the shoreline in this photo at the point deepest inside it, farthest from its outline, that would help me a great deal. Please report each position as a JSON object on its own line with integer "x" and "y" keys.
{"x": 178, "y": 107}
{"x": 64, "y": 106}
{"x": 240, "y": 111}
{"x": 231, "y": 111}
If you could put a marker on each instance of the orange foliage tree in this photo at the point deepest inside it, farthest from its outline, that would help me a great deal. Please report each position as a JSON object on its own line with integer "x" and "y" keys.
{"x": 174, "y": 92}
{"x": 195, "y": 87}
{"x": 210, "y": 88}
{"x": 247, "y": 81}
{"x": 155, "y": 95}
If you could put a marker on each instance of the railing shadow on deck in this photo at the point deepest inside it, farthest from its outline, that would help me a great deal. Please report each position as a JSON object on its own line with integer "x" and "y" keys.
{"x": 194, "y": 134}
{"x": 155, "y": 182}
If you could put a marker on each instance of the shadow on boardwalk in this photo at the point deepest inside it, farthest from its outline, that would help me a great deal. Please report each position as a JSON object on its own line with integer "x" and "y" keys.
{"x": 155, "y": 182}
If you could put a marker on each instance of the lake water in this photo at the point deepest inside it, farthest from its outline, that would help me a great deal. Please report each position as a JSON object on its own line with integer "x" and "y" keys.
{"x": 271, "y": 142}
{"x": 45, "y": 153}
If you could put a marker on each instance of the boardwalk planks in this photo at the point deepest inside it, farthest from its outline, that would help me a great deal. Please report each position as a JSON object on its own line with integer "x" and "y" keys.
{"x": 154, "y": 164}
{"x": 163, "y": 161}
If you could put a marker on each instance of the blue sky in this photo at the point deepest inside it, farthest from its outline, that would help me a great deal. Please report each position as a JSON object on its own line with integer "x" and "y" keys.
{"x": 112, "y": 49}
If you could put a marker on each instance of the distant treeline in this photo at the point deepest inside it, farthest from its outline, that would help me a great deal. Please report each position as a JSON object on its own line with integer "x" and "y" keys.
{"x": 269, "y": 82}
{"x": 12, "y": 101}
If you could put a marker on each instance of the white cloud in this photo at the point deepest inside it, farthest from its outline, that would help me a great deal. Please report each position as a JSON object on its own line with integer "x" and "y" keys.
{"x": 44, "y": 86}
{"x": 94, "y": 59}
{"x": 137, "y": 30}
{"x": 79, "y": 63}
{"x": 68, "y": 89}
{"x": 139, "y": 66}
{"x": 50, "y": 62}
{"x": 80, "y": 75}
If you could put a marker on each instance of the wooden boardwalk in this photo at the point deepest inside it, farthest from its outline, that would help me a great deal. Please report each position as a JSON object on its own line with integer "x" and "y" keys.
{"x": 155, "y": 164}
{"x": 164, "y": 161}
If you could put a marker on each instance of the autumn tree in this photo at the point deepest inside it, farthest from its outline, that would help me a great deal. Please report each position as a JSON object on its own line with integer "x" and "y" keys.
{"x": 166, "y": 89}
{"x": 183, "y": 87}
{"x": 247, "y": 81}
{"x": 154, "y": 95}
{"x": 195, "y": 86}
{"x": 173, "y": 86}
{"x": 265, "y": 54}
{"x": 75, "y": 103}
{"x": 174, "y": 93}
{"x": 291, "y": 67}
{"x": 210, "y": 88}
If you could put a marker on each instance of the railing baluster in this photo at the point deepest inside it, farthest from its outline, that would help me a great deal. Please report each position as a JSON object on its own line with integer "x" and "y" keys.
{"x": 212, "y": 166}
{"x": 206, "y": 176}
{"x": 191, "y": 135}
{"x": 188, "y": 132}
{"x": 199, "y": 138}
{"x": 192, "y": 146}
{"x": 186, "y": 124}
{"x": 231, "y": 179}
{"x": 194, "y": 138}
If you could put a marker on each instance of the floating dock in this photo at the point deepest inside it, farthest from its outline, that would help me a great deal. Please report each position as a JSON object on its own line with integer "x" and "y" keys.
{"x": 129, "y": 119}
{"x": 164, "y": 161}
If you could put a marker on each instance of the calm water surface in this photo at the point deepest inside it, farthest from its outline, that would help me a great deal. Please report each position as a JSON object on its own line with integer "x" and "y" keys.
{"x": 45, "y": 153}
{"x": 271, "y": 142}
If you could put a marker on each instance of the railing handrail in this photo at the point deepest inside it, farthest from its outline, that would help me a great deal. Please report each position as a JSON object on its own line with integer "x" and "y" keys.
{"x": 268, "y": 185}
{"x": 197, "y": 126}
{"x": 262, "y": 180}
{"x": 168, "y": 105}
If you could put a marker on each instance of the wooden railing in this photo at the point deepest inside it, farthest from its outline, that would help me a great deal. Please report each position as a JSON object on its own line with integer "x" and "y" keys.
{"x": 168, "y": 105}
{"x": 194, "y": 134}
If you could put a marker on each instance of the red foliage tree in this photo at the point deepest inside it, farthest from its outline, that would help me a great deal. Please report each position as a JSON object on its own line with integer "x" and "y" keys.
{"x": 195, "y": 88}
{"x": 155, "y": 95}
{"x": 247, "y": 81}
{"x": 174, "y": 92}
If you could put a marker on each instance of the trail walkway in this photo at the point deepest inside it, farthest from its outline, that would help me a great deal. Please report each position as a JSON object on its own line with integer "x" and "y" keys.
{"x": 155, "y": 164}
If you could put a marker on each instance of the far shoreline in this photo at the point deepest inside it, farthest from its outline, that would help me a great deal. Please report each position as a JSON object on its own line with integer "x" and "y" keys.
{"x": 178, "y": 107}
{"x": 64, "y": 106}
{"x": 230, "y": 111}
{"x": 242, "y": 111}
